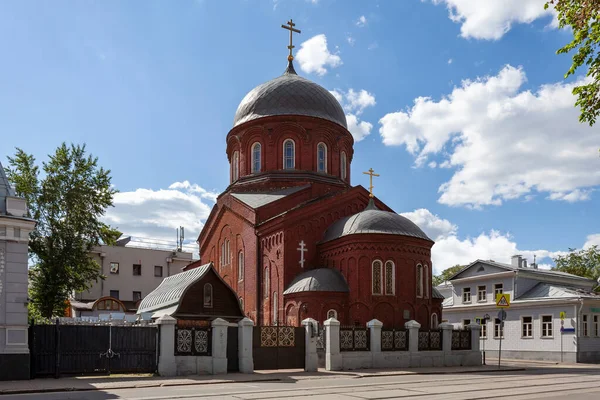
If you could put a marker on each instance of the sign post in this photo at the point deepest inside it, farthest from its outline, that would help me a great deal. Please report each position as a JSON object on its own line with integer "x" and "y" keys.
{"x": 562, "y": 325}
{"x": 502, "y": 302}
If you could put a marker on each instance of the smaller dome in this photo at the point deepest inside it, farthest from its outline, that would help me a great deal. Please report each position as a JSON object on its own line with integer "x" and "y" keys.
{"x": 374, "y": 220}
{"x": 318, "y": 280}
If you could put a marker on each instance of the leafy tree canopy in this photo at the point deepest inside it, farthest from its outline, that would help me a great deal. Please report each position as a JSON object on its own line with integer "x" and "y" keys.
{"x": 584, "y": 263}
{"x": 582, "y": 16}
{"x": 446, "y": 274}
{"x": 67, "y": 203}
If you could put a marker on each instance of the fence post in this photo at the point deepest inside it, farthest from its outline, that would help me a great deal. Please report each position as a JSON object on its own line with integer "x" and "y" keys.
{"x": 311, "y": 362}
{"x": 245, "y": 329}
{"x": 167, "y": 366}
{"x": 413, "y": 335}
{"x": 375, "y": 326}
{"x": 446, "y": 336}
{"x": 333, "y": 358}
{"x": 219, "y": 346}
{"x": 475, "y": 332}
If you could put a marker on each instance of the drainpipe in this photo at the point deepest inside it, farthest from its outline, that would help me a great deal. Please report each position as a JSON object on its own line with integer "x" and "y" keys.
{"x": 102, "y": 257}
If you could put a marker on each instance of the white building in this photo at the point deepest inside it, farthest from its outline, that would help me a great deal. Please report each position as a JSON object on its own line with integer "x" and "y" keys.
{"x": 131, "y": 273}
{"x": 533, "y": 328}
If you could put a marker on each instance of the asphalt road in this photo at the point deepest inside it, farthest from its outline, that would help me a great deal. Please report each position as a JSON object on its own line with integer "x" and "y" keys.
{"x": 542, "y": 383}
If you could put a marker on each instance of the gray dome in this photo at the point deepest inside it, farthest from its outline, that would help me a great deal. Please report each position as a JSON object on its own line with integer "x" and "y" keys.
{"x": 374, "y": 220}
{"x": 289, "y": 94}
{"x": 318, "y": 280}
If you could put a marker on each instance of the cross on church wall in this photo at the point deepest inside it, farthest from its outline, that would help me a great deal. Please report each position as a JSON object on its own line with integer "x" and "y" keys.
{"x": 302, "y": 250}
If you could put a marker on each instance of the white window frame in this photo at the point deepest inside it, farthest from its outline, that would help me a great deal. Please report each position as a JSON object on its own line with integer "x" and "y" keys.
{"x": 393, "y": 278}
{"x": 256, "y": 159}
{"x": 267, "y": 282}
{"x": 419, "y": 275}
{"x": 235, "y": 165}
{"x": 479, "y": 292}
{"x": 466, "y": 291}
{"x": 343, "y": 166}
{"x": 543, "y": 325}
{"x": 498, "y": 289}
{"x": 526, "y": 333}
{"x": 500, "y": 330}
{"x": 332, "y": 311}
{"x": 293, "y": 157}
{"x": 596, "y": 325}
{"x": 585, "y": 328}
{"x": 323, "y": 146}
{"x": 240, "y": 266}
{"x": 483, "y": 331}
{"x": 381, "y": 280}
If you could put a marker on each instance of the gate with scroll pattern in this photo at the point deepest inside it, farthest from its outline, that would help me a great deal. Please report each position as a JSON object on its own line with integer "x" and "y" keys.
{"x": 278, "y": 347}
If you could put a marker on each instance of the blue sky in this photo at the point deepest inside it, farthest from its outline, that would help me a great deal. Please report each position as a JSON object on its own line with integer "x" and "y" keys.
{"x": 491, "y": 160}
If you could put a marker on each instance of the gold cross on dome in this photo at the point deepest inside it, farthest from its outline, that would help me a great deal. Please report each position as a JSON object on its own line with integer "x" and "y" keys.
{"x": 371, "y": 174}
{"x": 290, "y": 27}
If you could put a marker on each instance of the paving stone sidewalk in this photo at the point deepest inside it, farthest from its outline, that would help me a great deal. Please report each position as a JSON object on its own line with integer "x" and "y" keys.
{"x": 142, "y": 381}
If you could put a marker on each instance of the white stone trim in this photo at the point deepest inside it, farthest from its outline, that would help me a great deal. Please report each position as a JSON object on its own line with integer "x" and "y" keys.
{"x": 16, "y": 328}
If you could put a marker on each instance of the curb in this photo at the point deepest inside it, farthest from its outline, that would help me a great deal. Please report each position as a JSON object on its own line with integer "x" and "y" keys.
{"x": 508, "y": 369}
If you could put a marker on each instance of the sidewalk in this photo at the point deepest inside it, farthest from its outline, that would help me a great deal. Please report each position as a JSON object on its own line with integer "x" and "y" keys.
{"x": 142, "y": 381}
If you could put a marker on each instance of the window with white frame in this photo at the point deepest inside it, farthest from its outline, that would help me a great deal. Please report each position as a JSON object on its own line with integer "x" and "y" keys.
{"x": 596, "y": 328}
{"x": 390, "y": 277}
{"x": 235, "y": 166}
{"x": 332, "y": 314}
{"x": 225, "y": 255}
{"x": 584, "y": 328}
{"x": 498, "y": 329}
{"x": 483, "y": 330}
{"x": 240, "y": 266}
{"x": 498, "y": 289}
{"x": 321, "y": 157}
{"x": 419, "y": 280}
{"x": 289, "y": 154}
{"x": 343, "y": 166}
{"x": 547, "y": 326}
{"x": 434, "y": 321}
{"x": 465, "y": 323}
{"x": 267, "y": 279}
{"x": 527, "y": 327}
{"x": 481, "y": 293}
{"x": 377, "y": 277}
{"x": 466, "y": 295}
{"x": 256, "y": 150}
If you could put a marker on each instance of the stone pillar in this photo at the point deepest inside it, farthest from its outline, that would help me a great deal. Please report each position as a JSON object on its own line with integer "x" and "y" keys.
{"x": 413, "y": 335}
{"x": 375, "y": 326}
{"x": 245, "y": 331}
{"x": 311, "y": 362}
{"x": 219, "y": 346}
{"x": 167, "y": 366}
{"x": 333, "y": 358}
{"x": 446, "y": 336}
{"x": 475, "y": 332}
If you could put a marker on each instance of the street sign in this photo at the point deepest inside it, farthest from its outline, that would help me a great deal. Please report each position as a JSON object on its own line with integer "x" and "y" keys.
{"x": 503, "y": 300}
{"x": 567, "y": 330}
{"x": 562, "y": 315}
{"x": 478, "y": 320}
{"x": 501, "y": 315}
{"x": 595, "y": 309}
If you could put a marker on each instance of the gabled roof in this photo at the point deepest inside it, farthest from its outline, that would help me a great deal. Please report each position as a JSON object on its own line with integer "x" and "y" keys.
{"x": 259, "y": 199}
{"x": 172, "y": 289}
{"x": 435, "y": 294}
{"x": 318, "y": 280}
{"x": 545, "y": 290}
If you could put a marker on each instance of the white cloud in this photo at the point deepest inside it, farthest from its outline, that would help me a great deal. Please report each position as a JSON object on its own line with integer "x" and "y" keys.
{"x": 358, "y": 129}
{"x": 449, "y": 61}
{"x": 351, "y": 41}
{"x": 503, "y": 142}
{"x": 313, "y": 1}
{"x": 157, "y": 213}
{"x": 362, "y": 21}
{"x": 354, "y": 102}
{"x": 357, "y": 101}
{"x": 592, "y": 240}
{"x": 434, "y": 226}
{"x": 490, "y": 20}
{"x": 314, "y": 56}
{"x": 373, "y": 46}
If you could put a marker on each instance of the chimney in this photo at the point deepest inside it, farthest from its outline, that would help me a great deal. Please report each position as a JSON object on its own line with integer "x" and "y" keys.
{"x": 515, "y": 261}
{"x": 524, "y": 263}
{"x": 534, "y": 266}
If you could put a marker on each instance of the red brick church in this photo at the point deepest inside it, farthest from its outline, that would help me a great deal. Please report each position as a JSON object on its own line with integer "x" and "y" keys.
{"x": 293, "y": 237}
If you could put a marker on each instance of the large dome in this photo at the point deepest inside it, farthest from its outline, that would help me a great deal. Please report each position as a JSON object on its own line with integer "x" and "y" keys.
{"x": 374, "y": 220}
{"x": 289, "y": 94}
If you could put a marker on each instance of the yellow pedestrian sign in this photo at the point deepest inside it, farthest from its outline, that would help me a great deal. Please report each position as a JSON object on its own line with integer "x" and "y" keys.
{"x": 562, "y": 315}
{"x": 503, "y": 300}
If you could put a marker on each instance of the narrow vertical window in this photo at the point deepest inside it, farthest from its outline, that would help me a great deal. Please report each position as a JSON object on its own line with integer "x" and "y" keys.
{"x": 267, "y": 283}
{"x": 419, "y": 280}
{"x": 256, "y": 148}
{"x": 584, "y": 329}
{"x": 596, "y": 326}
{"x": 547, "y": 326}
{"x": 235, "y": 165}
{"x": 498, "y": 329}
{"x": 321, "y": 157}
{"x": 377, "y": 277}
{"x": 240, "y": 266}
{"x": 227, "y": 253}
{"x": 208, "y": 295}
{"x": 527, "y": 327}
{"x": 466, "y": 295}
{"x": 343, "y": 166}
{"x": 242, "y": 304}
{"x": 434, "y": 321}
{"x": 390, "y": 277}
{"x": 275, "y": 316}
{"x": 289, "y": 154}
{"x": 481, "y": 293}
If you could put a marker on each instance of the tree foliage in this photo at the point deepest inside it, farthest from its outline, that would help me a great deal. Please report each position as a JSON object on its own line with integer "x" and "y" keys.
{"x": 582, "y": 16}
{"x": 446, "y": 274}
{"x": 67, "y": 203}
{"x": 584, "y": 263}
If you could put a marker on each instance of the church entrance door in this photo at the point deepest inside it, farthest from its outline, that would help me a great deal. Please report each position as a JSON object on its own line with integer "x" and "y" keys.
{"x": 278, "y": 347}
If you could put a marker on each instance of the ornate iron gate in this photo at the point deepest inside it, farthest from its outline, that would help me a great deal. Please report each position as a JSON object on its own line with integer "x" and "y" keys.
{"x": 92, "y": 349}
{"x": 278, "y": 347}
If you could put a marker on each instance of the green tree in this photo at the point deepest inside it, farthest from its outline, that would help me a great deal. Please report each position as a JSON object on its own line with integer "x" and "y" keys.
{"x": 582, "y": 16}
{"x": 67, "y": 204}
{"x": 446, "y": 274}
{"x": 584, "y": 263}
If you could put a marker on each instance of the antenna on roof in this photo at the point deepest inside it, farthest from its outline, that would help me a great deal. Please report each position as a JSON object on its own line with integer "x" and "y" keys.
{"x": 180, "y": 237}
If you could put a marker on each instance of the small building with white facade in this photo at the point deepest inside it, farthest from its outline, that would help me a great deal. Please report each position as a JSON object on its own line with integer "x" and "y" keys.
{"x": 533, "y": 328}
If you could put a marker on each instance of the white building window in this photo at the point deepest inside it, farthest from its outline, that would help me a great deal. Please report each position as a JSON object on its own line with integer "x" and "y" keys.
{"x": 241, "y": 266}
{"x": 498, "y": 329}
{"x": 547, "y": 326}
{"x": 377, "y": 277}
{"x": 321, "y": 157}
{"x": 332, "y": 314}
{"x": 235, "y": 166}
{"x": 434, "y": 321}
{"x": 343, "y": 166}
{"x": 289, "y": 154}
{"x": 390, "y": 277}
{"x": 596, "y": 327}
{"x": 483, "y": 331}
{"x": 267, "y": 280}
{"x": 498, "y": 289}
{"x": 527, "y": 327}
{"x": 466, "y": 322}
{"x": 419, "y": 281}
{"x": 466, "y": 295}
{"x": 481, "y": 293}
{"x": 256, "y": 149}
{"x": 584, "y": 329}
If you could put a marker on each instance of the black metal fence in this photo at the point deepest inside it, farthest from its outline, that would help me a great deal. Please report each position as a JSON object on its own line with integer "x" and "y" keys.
{"x": 430, "y": 340}
{"x": 461, "y": 339}
{"x": 355, "y": 339}
{"x": 193, "y": 341}
{"x": 321, "y": 338}
{"x": 394, "y": 339}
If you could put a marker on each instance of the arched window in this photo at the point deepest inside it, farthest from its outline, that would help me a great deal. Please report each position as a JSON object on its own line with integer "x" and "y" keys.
{"x": 332, "y": 314}
{"x": 434, "y": 321}
{"x": 242, "y": 304}
{"x": 208, "y": 295}
{"x": 222, "y": 261}
{"x": 426, "y": 282}
{"x": 227, "y": 253}
{"x": 377, "y": 277}
{"x": 390, "y": 277}
{"x": 267, "y": 279}
{"x": 321, "y": 157}
{"x": 343, "y": 166}
{"x": 289, "y": 154}
{"x": 419, "y": 280}
{"x": 256, "y": 148}
{"x": 235, "y": 166}
{"x": 275, "y": 314}
{"x": 241, "y": 266}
